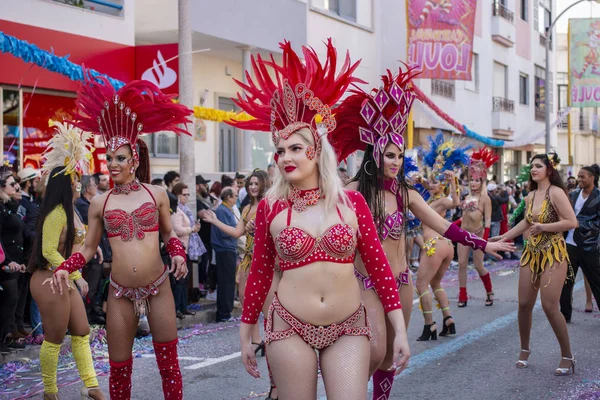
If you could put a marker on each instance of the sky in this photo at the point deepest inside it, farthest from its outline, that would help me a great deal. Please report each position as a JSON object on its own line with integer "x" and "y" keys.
{"x": 585, "y": 9}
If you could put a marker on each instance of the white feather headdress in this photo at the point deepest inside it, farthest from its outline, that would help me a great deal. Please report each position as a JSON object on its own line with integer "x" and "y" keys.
{"x": 70, "y": 148}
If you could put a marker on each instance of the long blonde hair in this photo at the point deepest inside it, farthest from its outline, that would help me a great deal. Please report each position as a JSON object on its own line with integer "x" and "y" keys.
{"x": 329, "y": 180}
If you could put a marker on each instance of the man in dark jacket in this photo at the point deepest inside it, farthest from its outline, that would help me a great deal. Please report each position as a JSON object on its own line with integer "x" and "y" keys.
{"x": 204, "y": 201}
{"x": 92, "y": 272}
{"x": 582, "y": 242}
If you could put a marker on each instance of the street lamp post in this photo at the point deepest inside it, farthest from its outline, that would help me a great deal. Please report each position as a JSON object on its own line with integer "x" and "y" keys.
{"x": 547, "y": 82}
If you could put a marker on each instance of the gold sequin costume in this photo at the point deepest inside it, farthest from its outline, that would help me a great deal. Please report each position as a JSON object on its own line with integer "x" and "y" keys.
{"x": 546, "y": 248}
{"x": 247, "y": 260}
{"x": 51, "y": 231}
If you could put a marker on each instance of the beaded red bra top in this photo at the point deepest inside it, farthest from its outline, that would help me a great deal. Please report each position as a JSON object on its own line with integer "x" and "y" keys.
{"x": 296, "y": 247}
{"x": 135, "y": 224}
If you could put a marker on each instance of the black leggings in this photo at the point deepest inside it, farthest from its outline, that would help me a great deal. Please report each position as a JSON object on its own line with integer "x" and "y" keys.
{"x": 589, "y": 262}
{"x": 9, "y": 297}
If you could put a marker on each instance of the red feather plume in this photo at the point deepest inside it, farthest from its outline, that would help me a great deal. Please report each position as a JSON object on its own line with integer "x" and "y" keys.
{"x": 486, "y": 156}
{"x": 138, "y": 107}
{"x": 269, "y": 78}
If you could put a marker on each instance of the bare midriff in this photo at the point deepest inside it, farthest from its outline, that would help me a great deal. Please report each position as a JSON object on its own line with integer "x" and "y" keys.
{"x": 321, "y": 294}
{"x": 472, "y": 221}
{"x": 395, "y": 251}
{"x": 136, "y": 263}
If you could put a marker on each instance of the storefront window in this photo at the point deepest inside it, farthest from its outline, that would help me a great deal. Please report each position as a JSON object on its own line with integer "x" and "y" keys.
{"x": 11, "y": 115}
{"x": 262, "y": 149}
{"x": 38, "y": 110}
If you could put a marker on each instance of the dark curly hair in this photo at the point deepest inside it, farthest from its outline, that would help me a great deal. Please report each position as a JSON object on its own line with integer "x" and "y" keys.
{"x": 550, "y": 160}
{"x": 594, "y": 170}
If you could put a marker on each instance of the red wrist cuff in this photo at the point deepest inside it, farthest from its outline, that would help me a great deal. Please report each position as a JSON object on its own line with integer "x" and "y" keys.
{"x": 458, "y": 222}
{"x": 72, "y": 264}
{"x": 175, "y": 248}
{"x": 486, "y": 233}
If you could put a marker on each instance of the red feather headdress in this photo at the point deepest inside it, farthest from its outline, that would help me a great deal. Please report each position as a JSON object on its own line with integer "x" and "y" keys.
{"x": 288, "y": 97}
{"x": 121, "y": 116}
{"x": 481, "y": 160}
{"x": 374, "y": 119}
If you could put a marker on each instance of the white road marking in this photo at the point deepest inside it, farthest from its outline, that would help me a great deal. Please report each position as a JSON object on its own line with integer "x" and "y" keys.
{"x": 212, "y": 361}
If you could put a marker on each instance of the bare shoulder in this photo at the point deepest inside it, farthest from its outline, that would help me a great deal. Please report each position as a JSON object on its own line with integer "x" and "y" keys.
{"x": 157, "y": 191}
{"x": 97, "y": 203}
{"x": 352, "y": 186}
{"x": 557, "y": 193}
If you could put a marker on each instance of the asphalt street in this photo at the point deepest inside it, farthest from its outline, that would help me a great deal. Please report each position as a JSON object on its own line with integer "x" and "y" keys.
{"x": 478, "y": 363}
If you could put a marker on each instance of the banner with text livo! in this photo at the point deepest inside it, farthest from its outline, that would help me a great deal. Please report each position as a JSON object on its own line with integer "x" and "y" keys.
{"x": 440, "y": 38}
{"x": 584, "y": 62}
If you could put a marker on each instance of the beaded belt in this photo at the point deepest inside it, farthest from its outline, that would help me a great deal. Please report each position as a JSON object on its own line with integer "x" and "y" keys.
{"x": 317, "y": 337}
{"x": 139, "y": 296}
{"x": 402, "y": 279}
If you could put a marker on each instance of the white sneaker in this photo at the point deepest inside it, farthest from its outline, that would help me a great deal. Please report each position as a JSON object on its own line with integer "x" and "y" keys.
{"x": 453, "y": 263}
{"x": 212, "y": 296}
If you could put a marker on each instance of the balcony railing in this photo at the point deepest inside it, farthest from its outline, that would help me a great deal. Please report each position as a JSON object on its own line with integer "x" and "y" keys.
{"x": 502, "y": 104}
{"x": 501, "y": 10}
{"x": 111, "y": 7}
{"x": 442, "y": 88}
{"x": 540, "y": 114}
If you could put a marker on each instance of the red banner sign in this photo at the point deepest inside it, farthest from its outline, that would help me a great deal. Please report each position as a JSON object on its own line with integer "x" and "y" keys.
{"x": 152, "y": 64}
{"x": 440, "y": 38}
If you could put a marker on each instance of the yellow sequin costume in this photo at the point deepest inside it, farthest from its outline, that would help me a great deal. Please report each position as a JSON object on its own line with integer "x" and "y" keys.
{"x": 54, "y": 223}
{"x": 247, "y": 260}
{"x": 546, "y": 248}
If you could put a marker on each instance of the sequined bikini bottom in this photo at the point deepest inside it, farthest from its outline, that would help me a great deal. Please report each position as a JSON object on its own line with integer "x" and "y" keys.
{"x": 402, "y": 279}
{"x": 317, "y": 337}
{"x": 139, "y": 296}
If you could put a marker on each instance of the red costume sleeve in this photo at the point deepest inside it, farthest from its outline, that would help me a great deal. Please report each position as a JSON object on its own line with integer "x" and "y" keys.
{"x": 263, "y": 262}
{"x": 373, "y": 256}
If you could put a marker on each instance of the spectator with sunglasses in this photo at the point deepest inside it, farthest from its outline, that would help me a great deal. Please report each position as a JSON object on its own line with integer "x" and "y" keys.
{"x": 11, "y": 237}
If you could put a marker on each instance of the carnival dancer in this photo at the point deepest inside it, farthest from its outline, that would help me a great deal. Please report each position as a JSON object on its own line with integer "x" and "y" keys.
{"x": 545, "y": 261}
{"x": 440, "y": 161}
{"x": 134, "y": 214}
{"x": 60, "y": 233}
{"x": 314, "y": 227}
{"x": 476, "y": 218}
{"x": 374, "y": 123}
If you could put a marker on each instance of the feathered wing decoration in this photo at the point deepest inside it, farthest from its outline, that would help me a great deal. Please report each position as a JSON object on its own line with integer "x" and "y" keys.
{"x": 524, "y": 173}
{"x": 121, "y": 116}
{"x": 410, "y": 166}
{"x": 444, "y": 156}
{"x": 481, "y": 160}
{"x": 374, "y": 119}
{"x": 69, "y": 149}
{"x": 285, "y": 98}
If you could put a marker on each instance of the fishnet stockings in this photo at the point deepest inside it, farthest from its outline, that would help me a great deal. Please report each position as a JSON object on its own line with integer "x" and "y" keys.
{"x": 295, "y": 364}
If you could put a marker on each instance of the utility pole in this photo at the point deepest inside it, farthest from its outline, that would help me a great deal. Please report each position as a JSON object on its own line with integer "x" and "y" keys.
{"x": 187, "y": 166}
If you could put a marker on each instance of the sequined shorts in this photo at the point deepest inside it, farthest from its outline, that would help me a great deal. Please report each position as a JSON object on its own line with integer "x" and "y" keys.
{"x": 139, "y": 296}
{"x": 317, "y": 337}
{"x": 402, "y": 279}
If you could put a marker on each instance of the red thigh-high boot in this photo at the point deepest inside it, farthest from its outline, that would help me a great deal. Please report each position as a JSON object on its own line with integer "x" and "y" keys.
{"x": 382, "y": 384}
{"x": 168, "y": 366}
{"x": 120, "y": 379}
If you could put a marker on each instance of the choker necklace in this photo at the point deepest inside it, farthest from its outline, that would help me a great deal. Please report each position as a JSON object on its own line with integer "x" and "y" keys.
{"x": 391, "y": 185}
{"x": 127, "y": 188}
{"x": 301, "y": 199}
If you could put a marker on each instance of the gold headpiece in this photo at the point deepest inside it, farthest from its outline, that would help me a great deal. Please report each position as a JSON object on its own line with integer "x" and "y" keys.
{"x": 70, "y": 148}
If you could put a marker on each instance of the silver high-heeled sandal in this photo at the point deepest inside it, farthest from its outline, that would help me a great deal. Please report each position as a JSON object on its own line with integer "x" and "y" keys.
{"x": 565, "y": 371}
{"x": 85, "y": 393}
{"x": 523, "y": 363}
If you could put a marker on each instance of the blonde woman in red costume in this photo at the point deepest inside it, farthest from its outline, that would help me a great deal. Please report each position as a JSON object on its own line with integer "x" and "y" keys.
{"x": 134, "y": 214}
{"x": 375, "y": 123}
{"x": 313, "y": 227}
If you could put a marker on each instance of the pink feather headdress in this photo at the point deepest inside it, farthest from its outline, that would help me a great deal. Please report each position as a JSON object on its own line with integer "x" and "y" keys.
{"x": 121, "y": 116}
{"x": 288, "y": 97}
{"x": 481, "y": 160}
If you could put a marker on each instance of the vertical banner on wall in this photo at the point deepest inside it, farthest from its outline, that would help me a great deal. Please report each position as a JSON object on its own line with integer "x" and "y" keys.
{"x": 440, "y": 37}
{"x": 584, "y": 62}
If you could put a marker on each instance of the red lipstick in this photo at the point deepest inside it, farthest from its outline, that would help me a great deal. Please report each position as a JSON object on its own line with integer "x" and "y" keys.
{"x": 289, "y": 168}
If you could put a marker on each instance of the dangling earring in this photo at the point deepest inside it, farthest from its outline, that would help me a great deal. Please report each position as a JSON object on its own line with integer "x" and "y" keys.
{"x": 131, "y": 170}
{"x": 311, "y": 153}
{"x": 365, "y": 168}
{"x": 78, "y": 187}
